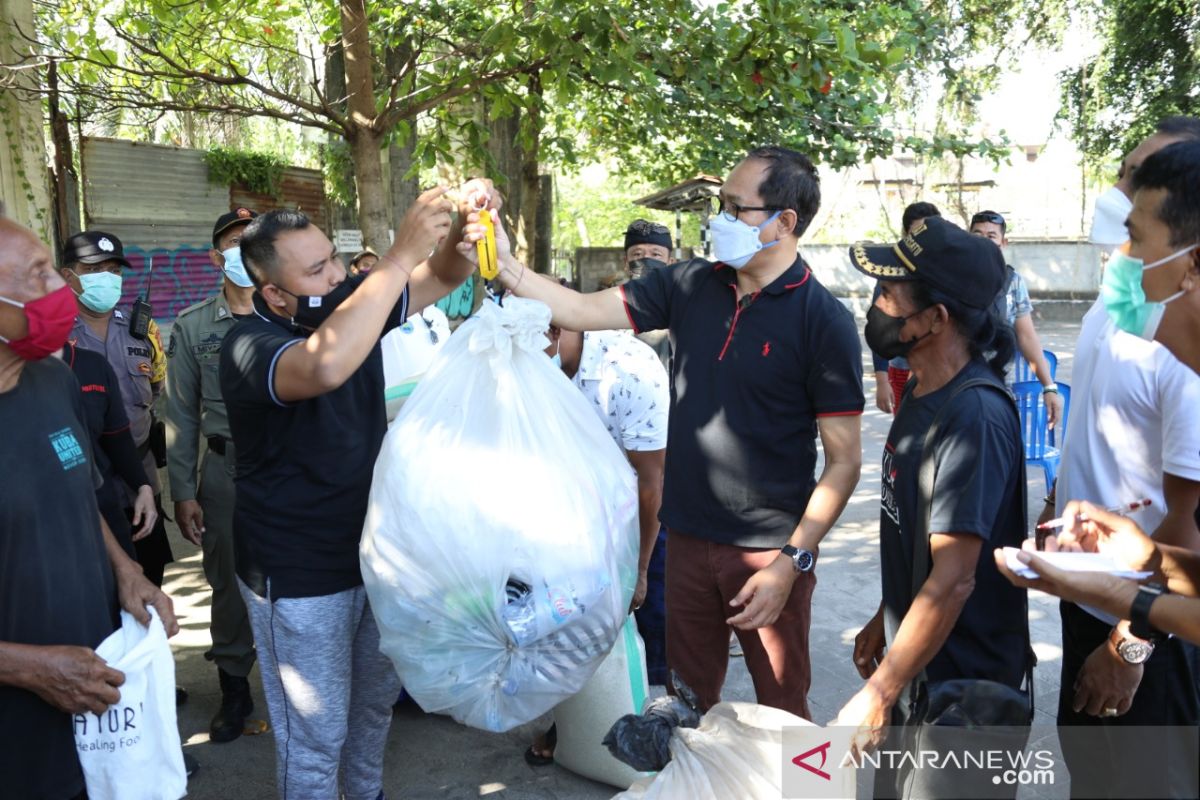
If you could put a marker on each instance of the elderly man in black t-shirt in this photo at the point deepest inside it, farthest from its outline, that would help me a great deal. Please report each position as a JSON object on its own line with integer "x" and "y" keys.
{"x": 303, "y": 386}
{"x": 765, "y": 359}
{"x": 965, "y": 621}
{"x": 62, "y": 573}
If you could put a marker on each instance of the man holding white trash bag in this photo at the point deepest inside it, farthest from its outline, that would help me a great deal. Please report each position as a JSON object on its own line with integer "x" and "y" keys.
{"x": 62, "y": 574}
{"x": 303, "y": 385}
{"x": 765, "y": 358}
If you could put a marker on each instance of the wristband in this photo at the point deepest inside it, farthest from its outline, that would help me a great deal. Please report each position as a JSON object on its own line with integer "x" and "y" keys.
{"x": 1051, "y": 389}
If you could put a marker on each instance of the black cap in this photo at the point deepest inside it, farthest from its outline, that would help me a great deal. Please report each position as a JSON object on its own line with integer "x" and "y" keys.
{"x": 941, "y": 255}
{"x": 641, "y": 231}
{"x": 93, "y": 247}
{"x": 226, "y": 221}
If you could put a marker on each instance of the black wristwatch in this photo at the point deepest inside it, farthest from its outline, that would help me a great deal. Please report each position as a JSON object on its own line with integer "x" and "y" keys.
{"x": 1139, "y": 614}
{"x": 802, "y": 560}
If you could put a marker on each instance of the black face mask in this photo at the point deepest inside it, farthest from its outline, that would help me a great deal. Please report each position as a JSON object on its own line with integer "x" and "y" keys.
{"x": 883, "y": 333}
{"x": 644, "y": 266}
{"x": 312, "y": 310}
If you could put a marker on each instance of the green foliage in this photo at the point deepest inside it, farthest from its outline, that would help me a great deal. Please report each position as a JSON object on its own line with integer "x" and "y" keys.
{"x": 258, "y": 172}
{"x": 604, "y": 205}
{"x": 670, "y": 87}
{"x": 1148, "y": 68}
{"x": 664, "y": 89}
{"x": 337, "y": 166}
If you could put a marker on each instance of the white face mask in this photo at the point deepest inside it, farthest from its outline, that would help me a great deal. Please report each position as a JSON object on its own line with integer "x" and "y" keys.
{"x": 235, "y": 270}
{"x": 1108, "y": 219}
{"x": 735, "y": 242}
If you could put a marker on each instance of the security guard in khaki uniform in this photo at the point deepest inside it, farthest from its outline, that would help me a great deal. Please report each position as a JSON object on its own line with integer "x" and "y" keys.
{"x": 92, "y": 263}
{"x": 204, "y": 510}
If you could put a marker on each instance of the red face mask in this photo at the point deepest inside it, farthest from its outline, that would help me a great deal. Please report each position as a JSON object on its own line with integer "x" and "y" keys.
{"x": 50, "y": 319}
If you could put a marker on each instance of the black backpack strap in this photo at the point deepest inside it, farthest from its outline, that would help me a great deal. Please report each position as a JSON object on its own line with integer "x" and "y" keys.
{"x": 925, "y": 480}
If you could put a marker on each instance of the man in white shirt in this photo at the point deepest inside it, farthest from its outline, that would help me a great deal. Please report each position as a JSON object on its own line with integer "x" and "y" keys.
{"x": 626, "y": 385}
{"x": 1132, "y": 434}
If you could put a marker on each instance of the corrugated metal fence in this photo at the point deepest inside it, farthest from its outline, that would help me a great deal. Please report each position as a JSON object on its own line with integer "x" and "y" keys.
{"x": 159, "y": 202}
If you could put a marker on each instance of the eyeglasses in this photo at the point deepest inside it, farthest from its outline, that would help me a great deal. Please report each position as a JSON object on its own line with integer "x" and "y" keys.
{"x": 988, "y": 216}
{"x": 732, "y": 211}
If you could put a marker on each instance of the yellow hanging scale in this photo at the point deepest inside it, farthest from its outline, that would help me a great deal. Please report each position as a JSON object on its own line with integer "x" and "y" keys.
{"x": 486, "y": 247}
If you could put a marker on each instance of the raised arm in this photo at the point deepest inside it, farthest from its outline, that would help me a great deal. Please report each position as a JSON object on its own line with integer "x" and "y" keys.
{"x": 596, "y": 311}
{"x": 327, "y": 358}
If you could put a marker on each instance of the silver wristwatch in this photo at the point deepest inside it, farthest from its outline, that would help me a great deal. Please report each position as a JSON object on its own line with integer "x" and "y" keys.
{"x": 1130, "y": 649}
{"x": 802, "y": 560}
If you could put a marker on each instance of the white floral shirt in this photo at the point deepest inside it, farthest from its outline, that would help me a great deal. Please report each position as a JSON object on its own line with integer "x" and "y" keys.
{"x": 626, "y": 384}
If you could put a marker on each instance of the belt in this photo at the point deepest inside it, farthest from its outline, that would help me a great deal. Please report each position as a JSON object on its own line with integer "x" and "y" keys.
{"x": 217, "y": 444}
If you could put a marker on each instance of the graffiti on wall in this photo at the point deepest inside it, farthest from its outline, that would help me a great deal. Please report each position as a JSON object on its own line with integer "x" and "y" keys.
{"x": 181, "y": 277}
{"x": 184, "y": 276}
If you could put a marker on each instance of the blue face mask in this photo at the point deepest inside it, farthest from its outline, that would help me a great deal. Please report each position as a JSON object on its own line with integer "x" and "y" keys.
{"x": 735, "y": 242}
{"x": 235, "y": 270}
{"x": 101, "y": 291}
{"x": 1124, "y": 298}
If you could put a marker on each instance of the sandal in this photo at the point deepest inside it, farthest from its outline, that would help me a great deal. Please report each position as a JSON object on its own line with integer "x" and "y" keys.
{"x": 550, "y": 741}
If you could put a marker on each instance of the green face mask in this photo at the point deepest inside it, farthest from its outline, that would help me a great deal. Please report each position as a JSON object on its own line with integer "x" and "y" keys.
{"x": 1124, "y": 298}
{"x": 101, "y": 291}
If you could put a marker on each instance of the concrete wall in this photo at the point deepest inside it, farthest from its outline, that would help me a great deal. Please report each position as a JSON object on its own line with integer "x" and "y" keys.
{"x": 1053, "y": 270}
{"x": 592, "y": 264}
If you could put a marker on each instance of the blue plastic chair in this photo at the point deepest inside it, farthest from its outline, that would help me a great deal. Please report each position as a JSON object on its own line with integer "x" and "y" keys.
{"x": 1043, "y": 447}
{"x": 1023, "y": 371}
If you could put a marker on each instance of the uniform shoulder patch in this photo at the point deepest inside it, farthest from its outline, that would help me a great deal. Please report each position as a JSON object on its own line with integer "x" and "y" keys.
{"x": 197, "y": 306}
{"x": 171, "y": 345}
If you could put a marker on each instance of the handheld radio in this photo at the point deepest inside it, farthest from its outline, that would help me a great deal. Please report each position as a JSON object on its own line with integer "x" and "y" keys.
{"x": 139, "y": 320}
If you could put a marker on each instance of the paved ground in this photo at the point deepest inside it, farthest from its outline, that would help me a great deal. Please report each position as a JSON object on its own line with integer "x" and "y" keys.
{"x": 433, "y": 757}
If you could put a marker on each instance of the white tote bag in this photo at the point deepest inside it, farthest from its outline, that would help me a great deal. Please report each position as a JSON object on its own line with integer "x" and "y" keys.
{"x": 132, "y": 751}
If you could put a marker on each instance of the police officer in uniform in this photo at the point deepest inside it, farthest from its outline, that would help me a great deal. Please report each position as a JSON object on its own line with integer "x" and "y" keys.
{"x": 204, "y": 508}
{"x": 92, "y": 263}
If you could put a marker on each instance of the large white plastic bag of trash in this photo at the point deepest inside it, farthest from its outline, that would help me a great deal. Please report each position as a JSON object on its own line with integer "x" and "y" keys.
{"x": 500, "y": 547}
{"x": 737, "y": 751}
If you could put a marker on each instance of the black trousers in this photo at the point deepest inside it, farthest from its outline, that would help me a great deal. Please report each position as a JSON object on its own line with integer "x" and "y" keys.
{"x": 154, "y": 552}
{"x": 1167, "y": 696}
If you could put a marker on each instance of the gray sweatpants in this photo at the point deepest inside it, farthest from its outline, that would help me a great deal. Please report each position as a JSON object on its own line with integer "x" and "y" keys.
{"x": 329, "y": 691}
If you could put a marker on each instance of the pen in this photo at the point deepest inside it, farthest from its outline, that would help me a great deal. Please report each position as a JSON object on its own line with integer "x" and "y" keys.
{"x": 1122, "y": 509}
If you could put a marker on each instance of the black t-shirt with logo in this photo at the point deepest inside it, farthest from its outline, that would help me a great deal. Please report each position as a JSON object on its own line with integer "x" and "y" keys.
{"x": 303, "y": 469}
{"x": 749, "y": 380}
{"x": 56, "y": 583}
{"x": 975, "y": 492}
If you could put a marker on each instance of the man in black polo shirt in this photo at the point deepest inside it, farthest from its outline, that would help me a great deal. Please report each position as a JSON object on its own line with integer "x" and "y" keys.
{"x": 764, "y": 359}
{"x": 302, "y": 381}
